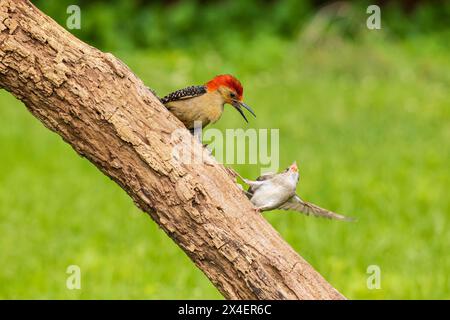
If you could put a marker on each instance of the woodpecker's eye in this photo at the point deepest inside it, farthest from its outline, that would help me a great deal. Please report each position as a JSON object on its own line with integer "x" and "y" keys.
{"x": 232, "y": 95}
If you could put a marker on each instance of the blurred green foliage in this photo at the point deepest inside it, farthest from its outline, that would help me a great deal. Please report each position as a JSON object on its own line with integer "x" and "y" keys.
{"x": 365, "y": 114}
{"x": 118, "y": 24}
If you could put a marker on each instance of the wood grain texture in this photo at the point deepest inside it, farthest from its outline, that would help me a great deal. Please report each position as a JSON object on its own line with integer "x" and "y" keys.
{"x": 98, "y": 106}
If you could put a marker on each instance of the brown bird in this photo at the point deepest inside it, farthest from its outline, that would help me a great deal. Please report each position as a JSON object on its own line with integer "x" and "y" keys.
{"x": 278, "y": 191}
{"x": 198, "y": 106}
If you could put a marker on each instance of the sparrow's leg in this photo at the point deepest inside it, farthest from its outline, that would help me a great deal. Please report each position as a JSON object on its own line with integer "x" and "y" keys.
{"x": 153, "y": 92}
{"x": 264, "y": 208}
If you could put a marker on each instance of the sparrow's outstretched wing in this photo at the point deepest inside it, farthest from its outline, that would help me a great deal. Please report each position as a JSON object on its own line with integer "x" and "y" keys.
{"x": 186, "y": 93}
{"x": 297, "y": 204}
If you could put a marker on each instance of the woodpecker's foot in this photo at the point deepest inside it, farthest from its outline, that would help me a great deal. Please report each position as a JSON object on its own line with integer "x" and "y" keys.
{"x": 205, "y": 146}
{"x": 257, "y": 210}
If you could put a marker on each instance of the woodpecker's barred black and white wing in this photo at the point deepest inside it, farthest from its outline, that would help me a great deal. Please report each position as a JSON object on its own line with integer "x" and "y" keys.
{"x": 186, "y": 93}
{"x": 297, "y": 204}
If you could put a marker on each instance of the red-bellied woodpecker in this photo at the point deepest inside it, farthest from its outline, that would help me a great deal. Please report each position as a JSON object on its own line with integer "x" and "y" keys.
{"x": 198, "y": 106}
{"x": 278, "y": 191}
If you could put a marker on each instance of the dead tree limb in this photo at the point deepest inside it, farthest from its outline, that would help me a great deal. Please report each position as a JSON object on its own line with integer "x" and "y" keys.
{"x": 98, "y": 106}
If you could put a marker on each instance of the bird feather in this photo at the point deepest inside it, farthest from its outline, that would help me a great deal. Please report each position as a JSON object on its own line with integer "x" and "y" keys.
{"x": 297, "y": 204}
{"x": 185, "y": 93}
{"x": 253, "y": 186}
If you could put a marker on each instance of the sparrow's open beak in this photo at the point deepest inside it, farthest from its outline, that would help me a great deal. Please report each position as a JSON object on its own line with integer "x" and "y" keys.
{"x": 294, "y": 167}
{"x": 239, "y": 105}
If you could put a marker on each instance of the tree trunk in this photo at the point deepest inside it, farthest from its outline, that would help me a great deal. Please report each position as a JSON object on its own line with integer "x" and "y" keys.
{"x": 98, "y": 106}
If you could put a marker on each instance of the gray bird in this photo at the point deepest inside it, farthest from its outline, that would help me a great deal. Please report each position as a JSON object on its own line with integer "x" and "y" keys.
{"x": 277, "y": 191}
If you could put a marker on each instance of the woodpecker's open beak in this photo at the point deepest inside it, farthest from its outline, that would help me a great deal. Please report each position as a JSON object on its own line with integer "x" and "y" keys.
{"x": 239, "y": 105}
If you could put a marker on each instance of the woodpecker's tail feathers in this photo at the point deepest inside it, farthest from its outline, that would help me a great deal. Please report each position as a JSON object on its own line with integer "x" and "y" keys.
{"x": 154, "y": 93}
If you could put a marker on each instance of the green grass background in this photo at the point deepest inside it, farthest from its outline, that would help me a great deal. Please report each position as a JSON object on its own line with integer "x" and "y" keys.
{"x": 367, "y": 120}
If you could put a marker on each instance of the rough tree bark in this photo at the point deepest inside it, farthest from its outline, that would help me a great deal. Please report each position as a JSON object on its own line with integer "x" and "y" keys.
{"x": 98, "y": 106}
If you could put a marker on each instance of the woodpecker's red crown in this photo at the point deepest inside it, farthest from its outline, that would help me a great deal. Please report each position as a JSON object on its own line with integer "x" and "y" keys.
{"x": 226, "y": 80}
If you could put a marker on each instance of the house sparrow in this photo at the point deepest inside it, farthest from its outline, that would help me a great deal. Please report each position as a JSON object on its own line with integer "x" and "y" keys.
{"x": 277, "y": 191}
